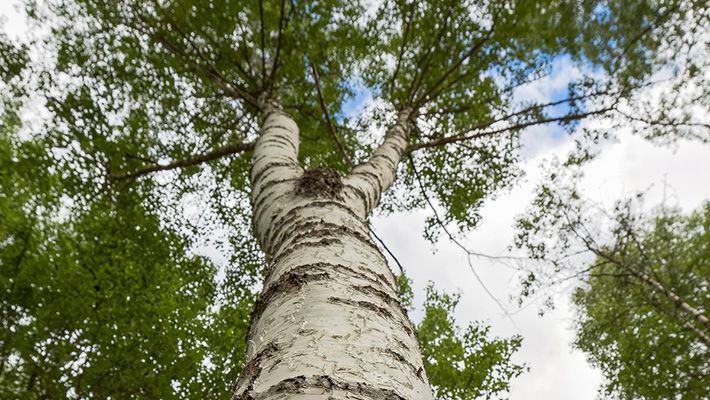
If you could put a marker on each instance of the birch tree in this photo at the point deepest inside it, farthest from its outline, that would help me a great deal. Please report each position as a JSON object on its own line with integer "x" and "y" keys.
{"x": 641, "y": 293}
{"x": 246, "y": 108}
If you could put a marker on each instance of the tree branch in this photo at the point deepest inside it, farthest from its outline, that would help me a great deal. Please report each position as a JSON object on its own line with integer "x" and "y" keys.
{"x": 392, "y": 81}
{"x": 209, "y": 72}
{"x": 454, "y": 67}
{"x": 186, "y": 162}
{"x": 283, "y": 23}
{"x": 331, "y": 127}
{"x": 263, "y": 44}
{"x": 466, "y": 136}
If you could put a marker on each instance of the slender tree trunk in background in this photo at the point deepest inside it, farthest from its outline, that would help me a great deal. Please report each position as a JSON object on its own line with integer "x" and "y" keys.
{"x": 328, "y": 323}
{"x": 679, "y": 302}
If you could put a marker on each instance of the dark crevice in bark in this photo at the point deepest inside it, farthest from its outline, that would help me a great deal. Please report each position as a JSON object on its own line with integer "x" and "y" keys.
{"x": 363, "y": 304}
{"x": 269, "y": 168}
{"x": 386, "y": 157}
{"x": 358, "y": 192}
{"x": 319, "y": 243}
{"x": 267, "y": 197}
{"x": 253, "y": 368}
{"x": 383, "y": 312}
{"x": 260, "y": 209}
{"x": 270, "y": 184}
{"x": 393, "y": 302}
{"x": 400, "y": 358}
{"x": 320, "y": 182}
{"x": 305, "y": 225}
{"x": 273, "y": 157}
{"x": 401, "y": 344}
{"x": 361, "y": 273}
{"x": 293, "y": 212}
{"x": 299, "y": 384}
{"x": 335, "y": 231}
{"x": 287, "y": 283}
{"x": 372, "y": 176}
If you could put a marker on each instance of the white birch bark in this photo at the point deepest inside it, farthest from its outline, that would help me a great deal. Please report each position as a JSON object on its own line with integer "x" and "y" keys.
{"x": 368, "y": 181}
{"x": 678, "y": 301}
{"x": 328, "y": 323}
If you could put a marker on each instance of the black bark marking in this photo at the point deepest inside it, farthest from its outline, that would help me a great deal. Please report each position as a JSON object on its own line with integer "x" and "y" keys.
{"x": 270, "y": 167}
{"x": 320, "y": 243}
{"x": 260, "y": 208}
{"x": 383, "y": 312}
{"x": 339, "y": 268}
{"x": 298, "y": 384}
{"x": 289, "y": 282}
{"x": 404, "y": 361}
{"x": 358, "y": 192}
{"x": 391, "y": 301}
{"x": 253, "y": 368}
{"x": 293, "y": 212}
{"x": 386, "y": 157}
{"x": 335, "y": 231}
{"x": 303, "y": 225}
{"x": 320, "y": 182}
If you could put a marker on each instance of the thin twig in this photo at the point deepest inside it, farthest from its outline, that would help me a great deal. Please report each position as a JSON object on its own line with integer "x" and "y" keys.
{"x": 468, "y": 252}
{"x": 402, "y": 46}
{"x": 331, "y": 127}
{"x": 401, "y": 269}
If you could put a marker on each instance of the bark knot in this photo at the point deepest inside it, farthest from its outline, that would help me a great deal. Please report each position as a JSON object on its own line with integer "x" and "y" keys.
{"x": 320, "y": 182}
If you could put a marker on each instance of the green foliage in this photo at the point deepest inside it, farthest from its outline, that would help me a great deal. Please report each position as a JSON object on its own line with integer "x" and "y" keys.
{"x": 104, "y": 301}
{"x": 132, "y": 84}
{"x": 642, "y": 276}
{"x": 463, "y": 364}
{"x": 642, "y": 342}
{"x": 406, "y": 294}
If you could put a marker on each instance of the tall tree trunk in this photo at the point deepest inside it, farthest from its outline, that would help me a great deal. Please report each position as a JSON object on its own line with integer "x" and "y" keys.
{"x": 328, "y": 323}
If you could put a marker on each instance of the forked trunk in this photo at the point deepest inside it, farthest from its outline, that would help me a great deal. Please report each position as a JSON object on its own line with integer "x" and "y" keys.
{"x": 328, "y": 323}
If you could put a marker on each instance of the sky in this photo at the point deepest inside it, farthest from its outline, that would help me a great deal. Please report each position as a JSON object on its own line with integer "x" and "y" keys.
{"x": 625, "y": 166}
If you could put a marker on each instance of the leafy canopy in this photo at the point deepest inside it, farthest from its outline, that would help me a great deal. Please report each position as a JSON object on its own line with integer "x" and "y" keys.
{"x": 461, "y": 364}
{"x": 645, "y": 345}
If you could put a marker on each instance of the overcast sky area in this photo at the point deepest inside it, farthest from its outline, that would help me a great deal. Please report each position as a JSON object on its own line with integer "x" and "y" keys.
{"x": 625, "y": 167}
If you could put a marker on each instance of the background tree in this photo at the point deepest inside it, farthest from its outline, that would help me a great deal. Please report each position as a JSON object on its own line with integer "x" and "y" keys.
{"x": 163, "y": 103}
{"x": 643, "y": 302}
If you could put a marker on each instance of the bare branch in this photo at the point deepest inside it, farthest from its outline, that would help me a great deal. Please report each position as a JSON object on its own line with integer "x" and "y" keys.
{"x": 209, "y": 72}
{"x": 426, "y": 58}
{"x": 401, "y": 269}
{"x": 407, "y": 25}
{"x": 283, "y": 23}
{"x": 263, "y": 44}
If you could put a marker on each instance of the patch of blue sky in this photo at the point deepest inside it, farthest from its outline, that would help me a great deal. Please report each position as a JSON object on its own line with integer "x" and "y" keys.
{"x": 552, "y": 88}
{"x": 355, "y": 103}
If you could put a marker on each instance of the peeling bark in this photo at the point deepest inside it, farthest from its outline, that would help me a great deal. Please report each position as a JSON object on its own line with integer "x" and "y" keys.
{"x": 328, "y": 323}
